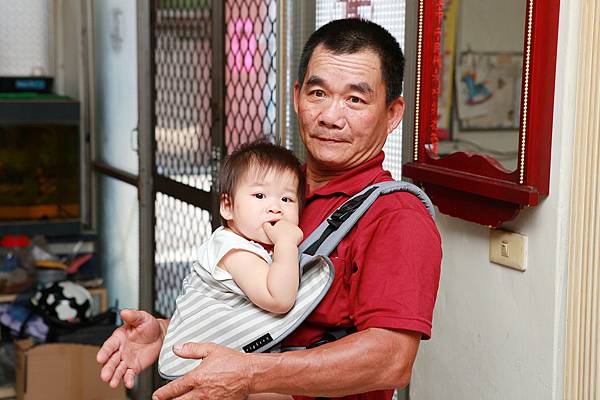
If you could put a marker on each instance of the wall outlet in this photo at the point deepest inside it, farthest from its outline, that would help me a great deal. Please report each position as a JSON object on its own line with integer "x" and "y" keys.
{"x": 508, "y": 249}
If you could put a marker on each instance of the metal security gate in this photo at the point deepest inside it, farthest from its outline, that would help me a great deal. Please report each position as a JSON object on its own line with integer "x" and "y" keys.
{"x": 214, "y": 87}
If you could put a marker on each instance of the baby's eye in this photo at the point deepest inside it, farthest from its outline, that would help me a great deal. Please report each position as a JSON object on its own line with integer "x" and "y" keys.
{"x": 259, "y": 195}
{"x": 287, "y": 199}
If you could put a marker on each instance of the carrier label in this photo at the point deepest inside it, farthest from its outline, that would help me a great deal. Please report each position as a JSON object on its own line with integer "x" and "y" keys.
{"x": 258, "y": 343}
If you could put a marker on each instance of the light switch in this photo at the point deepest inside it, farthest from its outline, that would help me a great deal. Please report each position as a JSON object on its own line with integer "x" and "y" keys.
{"x": 504, "y": 248}
{"x": 508, "y": 249}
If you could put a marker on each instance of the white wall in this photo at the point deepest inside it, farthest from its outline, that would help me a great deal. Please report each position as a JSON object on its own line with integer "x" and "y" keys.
{"x": 499, "y": 333}
{"x": 68, "y": 55}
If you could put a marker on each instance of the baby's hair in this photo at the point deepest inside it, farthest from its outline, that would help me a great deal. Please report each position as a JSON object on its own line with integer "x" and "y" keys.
{"x": 262, "y": 156}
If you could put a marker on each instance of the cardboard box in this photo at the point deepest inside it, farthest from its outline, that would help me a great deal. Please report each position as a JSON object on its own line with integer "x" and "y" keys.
{"x": 60, "y": 371}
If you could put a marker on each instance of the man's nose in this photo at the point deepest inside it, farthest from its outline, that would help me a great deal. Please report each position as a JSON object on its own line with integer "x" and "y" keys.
{"x": 332, "y": 115}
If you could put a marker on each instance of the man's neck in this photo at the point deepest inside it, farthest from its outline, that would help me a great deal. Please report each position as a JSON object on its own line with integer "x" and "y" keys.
{"x": 318, "y": 178}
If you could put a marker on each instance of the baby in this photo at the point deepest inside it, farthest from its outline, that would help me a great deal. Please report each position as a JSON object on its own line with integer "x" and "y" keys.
{"x": 261, "y": 192}
{"x": 255, "y": 251}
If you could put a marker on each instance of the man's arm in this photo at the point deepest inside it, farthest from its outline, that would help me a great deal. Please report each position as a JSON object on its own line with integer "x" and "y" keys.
{"x": 360, "y": 362}
{"x": 364, "y": 361}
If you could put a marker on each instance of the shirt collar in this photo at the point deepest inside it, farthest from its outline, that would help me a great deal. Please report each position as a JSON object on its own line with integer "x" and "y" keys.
{"x": 352, "y": 181}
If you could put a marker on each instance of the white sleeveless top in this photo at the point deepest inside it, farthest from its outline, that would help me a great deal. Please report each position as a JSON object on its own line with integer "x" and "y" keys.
{"x": 221, "y": 242}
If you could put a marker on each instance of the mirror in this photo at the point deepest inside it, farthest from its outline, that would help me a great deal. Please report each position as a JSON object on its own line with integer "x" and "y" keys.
{"x": 481, "y": 59}
{"x": 483, "y": 105}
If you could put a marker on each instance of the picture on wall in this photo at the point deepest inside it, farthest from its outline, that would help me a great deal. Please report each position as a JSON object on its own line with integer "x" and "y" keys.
{"x": 488, "y": 90}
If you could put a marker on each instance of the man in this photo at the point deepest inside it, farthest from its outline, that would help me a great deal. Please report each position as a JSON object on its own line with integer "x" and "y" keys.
{"x": 387, "y": 268}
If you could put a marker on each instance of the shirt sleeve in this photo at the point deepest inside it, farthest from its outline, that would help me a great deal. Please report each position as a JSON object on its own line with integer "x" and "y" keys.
{"x": 395, "y": 272}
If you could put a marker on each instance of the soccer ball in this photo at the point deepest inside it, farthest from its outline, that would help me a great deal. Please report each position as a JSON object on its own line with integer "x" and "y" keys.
{"x": 64, "y": 301}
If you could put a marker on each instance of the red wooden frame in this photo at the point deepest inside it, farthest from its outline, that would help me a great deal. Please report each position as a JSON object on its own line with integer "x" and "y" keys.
{"x": 476, "y": 187}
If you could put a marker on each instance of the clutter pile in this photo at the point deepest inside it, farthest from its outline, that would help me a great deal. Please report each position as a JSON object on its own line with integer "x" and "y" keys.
{"x": 46, "y": 287}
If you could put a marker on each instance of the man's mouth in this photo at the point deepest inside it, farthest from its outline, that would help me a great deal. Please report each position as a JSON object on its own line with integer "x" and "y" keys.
{"x": 329, "y": 140}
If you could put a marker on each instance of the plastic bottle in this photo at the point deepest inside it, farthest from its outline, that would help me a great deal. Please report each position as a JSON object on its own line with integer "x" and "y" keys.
{"x": 15, "y": 251}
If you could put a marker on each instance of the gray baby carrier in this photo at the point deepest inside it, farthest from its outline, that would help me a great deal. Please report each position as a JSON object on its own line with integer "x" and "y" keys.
{"x": 219, "y": 314}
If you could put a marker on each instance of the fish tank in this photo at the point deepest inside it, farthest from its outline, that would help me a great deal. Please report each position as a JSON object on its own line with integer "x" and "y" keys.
{"x": 40, "y": 162}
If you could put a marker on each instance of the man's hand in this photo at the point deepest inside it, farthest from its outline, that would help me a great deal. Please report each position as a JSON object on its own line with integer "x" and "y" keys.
{"x": 132, "y": 347}
{"x": 222, "y": 374}
{"x": 283, "y": 230}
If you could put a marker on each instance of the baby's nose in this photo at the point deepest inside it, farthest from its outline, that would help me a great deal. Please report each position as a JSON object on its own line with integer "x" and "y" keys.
{"x": 275, "y": 209}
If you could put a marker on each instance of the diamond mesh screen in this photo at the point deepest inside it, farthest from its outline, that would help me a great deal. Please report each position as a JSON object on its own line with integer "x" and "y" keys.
{"x": 250, "y": 72}
{"x": 183, "y": 115}
{"x": 183, "y": 65}
{"x": 180, "y": 229}
{"x": 184, "y": 133}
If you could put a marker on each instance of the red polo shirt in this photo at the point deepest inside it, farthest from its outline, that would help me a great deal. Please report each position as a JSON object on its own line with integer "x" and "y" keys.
{"x": 387, "y": 268}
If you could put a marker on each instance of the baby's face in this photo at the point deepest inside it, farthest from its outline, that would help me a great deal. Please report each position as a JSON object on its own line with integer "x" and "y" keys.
{"x": 269, "y": 197}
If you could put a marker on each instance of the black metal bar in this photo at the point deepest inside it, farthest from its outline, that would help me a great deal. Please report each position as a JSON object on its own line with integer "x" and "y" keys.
{"x": 196, "y": 197}
{"x": 146, "y": 194}
{"x": 217, "y": 104}
{"x": 115, "y": 173}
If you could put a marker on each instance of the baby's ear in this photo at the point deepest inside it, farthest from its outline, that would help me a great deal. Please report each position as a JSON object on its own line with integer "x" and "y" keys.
{"x": 226, "y": 207}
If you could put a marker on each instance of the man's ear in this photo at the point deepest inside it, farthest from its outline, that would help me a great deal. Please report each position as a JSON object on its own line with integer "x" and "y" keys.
{"x": 296, "y": 96}
{"x": 226, "y": 207}
{"x": 395, "y": 112}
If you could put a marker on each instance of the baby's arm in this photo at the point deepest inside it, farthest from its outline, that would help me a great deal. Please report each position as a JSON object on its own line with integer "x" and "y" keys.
{"x": 272, "y": 288}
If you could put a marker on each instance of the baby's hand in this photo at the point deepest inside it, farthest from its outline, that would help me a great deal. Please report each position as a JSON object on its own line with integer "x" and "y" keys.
{"x": 283, "y": 230}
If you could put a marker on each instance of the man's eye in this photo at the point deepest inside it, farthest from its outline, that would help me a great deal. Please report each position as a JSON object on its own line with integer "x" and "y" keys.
{"x": 355, "y": 100}
{"x": 259, "y": 195}
{"x": 319, "y": 93}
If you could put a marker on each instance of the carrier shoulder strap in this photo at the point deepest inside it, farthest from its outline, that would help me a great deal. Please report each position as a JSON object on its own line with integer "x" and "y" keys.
{"x": 323, "y": 240}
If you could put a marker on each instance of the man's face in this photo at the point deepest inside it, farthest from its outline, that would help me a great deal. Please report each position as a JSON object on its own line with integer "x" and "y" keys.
{"x": 259, "y": 198}
{"x": 341, "y": 108}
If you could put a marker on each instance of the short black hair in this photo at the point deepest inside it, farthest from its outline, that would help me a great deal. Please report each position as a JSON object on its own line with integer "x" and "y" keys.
{"x": 263, "y": 156}
{"x": 351, "y": 35}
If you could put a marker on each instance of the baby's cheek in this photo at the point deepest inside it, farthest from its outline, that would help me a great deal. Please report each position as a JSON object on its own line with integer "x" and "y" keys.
{"x": 294, "y": 215}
